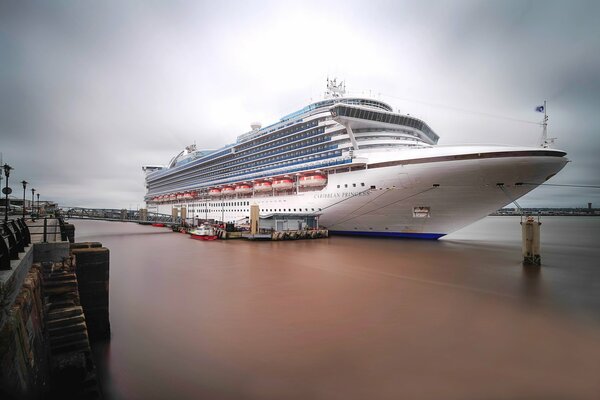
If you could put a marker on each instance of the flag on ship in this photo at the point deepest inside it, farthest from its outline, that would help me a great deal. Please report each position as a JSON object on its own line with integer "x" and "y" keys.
{"x": 539, "y": 109}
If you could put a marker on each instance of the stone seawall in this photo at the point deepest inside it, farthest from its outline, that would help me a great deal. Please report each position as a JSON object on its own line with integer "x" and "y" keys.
{"x": 54, "y": 302}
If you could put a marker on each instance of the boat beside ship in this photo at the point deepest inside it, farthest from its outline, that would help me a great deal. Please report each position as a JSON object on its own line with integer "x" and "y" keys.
{"x": 203, "y": 232}
{"x": 363, "y": 168}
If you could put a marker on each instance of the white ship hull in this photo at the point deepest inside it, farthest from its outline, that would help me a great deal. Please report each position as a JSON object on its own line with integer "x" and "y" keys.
{"x": 421, "y": 193}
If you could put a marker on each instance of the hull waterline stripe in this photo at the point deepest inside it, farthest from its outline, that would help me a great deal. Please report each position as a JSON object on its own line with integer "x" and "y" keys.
{"x": 408, "y": 235}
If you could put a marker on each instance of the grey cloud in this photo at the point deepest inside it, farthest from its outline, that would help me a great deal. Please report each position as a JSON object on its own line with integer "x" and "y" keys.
{"x": 90, "y": 91}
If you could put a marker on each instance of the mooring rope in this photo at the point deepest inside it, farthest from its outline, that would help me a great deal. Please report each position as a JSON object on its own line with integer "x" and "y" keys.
{"x": 560, "y": 185}
{"x": 510, "y": 198}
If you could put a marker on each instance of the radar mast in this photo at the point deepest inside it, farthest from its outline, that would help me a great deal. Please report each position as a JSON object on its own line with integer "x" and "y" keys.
{"x": 335, "y": 89}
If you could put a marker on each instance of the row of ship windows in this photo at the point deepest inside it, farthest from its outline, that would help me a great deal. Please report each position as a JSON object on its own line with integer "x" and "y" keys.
{"x": 282, "y": 157}
{"x": 302, "y": 143}
{"x": 309, "y": 155}
{"x": 237, "y": 172}
{"x": 306, "y": 152}
{"x": 205, "y": 210}
{"x": 378, "y": 146}
{"x": 219, "y": 166}
{"x": 264, "y": 132}
{"x": 284, "y": 132}
{"x": 301, "y": 166}
{"x": 291, "y": 138}
{"x": 323, "y": 164}
{"x": 354, "y": 185}
{"x": 403, "y": 138}
{"x": 253, "y": 143}
{"x": 222, "y": 204}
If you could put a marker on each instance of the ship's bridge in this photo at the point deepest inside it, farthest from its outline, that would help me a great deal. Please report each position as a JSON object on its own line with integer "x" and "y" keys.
{"x": 357, "y": 118}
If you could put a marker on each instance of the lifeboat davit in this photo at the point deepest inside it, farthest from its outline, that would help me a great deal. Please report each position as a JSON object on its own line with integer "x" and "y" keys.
{"x": 243, "y": 188}
{"x": 214, "y": 192}
{"x": 228, "y": 190}
{"x": 313, "y": 180}
{"x": 262, "y": 186}
{"x": 283, "y": 184}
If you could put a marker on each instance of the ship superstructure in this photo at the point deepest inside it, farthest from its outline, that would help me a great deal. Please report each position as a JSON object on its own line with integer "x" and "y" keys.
{"x": 362, "y": 167}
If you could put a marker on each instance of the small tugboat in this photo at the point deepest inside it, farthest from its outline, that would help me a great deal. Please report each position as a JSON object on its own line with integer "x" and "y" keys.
{"x": 203, "y": 232}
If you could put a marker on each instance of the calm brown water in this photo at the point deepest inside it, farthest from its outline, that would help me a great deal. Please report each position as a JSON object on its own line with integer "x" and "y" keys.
{"x": 353, "y": 318}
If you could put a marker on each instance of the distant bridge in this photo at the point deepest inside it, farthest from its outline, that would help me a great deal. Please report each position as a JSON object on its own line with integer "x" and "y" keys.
{"x": 120, "y": 215}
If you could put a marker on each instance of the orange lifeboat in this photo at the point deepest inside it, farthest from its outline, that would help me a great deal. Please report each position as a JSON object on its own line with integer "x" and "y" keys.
{"x": 187, "y": 195}
{"x": 243, "y": 188}
{"x": 214, "y": 192}
{"x": 283, "y": 184}
{"x": 228, "y": 190}
{"x": 262, "y": 186}
{"x": 313, "y": 180}
{"x": 173, "y": 197}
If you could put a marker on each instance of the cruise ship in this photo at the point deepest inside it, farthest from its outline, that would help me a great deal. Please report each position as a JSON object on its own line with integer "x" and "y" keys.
{"x": 362, "y": 168}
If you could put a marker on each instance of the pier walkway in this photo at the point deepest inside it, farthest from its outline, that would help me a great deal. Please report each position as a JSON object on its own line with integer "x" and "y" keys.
{"x": 122, "y": 215}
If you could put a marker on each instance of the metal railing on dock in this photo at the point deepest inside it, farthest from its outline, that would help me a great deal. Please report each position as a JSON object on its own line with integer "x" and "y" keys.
{"x": 14, "y": 238}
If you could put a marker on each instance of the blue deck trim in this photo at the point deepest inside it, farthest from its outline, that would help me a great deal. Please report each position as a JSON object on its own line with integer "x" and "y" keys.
{"x": 428, "y": 236}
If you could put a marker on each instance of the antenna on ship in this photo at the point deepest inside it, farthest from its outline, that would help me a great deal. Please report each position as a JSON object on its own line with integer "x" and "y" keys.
{"x": 545, "y": 142}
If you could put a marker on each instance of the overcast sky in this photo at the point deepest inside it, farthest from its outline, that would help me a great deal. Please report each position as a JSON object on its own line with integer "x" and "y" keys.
{"x": 90, "y": 91}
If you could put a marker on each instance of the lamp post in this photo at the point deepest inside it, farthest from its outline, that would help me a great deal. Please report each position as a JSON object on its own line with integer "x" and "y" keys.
{"x": 38, "y": 196}
{"x": 6, "y": 191}
{"x": 24, "y": 182}
{"x": 32, "y": 202}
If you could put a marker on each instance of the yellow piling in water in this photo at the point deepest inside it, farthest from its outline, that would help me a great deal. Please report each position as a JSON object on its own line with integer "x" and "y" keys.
{"x": 530, "y": 234}
{"x": 254, "y": 217}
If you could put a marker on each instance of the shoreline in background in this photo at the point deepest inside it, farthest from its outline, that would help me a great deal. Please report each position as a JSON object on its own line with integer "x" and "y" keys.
{"x": 548, "y": 211}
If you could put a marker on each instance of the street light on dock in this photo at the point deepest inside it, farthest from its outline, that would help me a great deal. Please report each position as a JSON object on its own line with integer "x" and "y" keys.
{"x": 6, "y": 190}
{"x": 38, "y": 196}
{"x": 24, "y": 182}
{"x": 32, "y": 202}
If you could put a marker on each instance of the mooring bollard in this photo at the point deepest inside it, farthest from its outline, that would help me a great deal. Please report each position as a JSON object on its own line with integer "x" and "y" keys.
{"x": 45, "y": 236}
{"x": 530, "y": 233}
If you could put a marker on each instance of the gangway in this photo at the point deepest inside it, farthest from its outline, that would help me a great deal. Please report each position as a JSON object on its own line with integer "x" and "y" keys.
{"x": 120, "y": 215}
